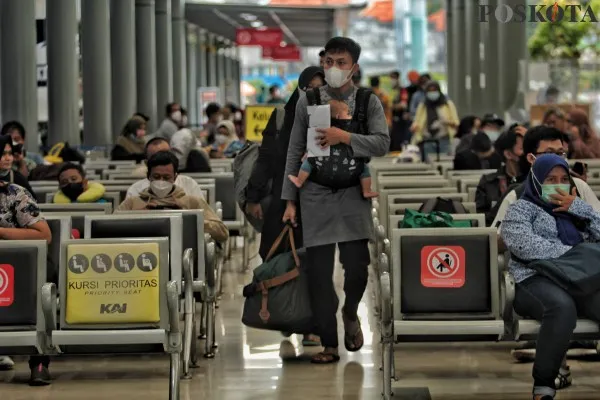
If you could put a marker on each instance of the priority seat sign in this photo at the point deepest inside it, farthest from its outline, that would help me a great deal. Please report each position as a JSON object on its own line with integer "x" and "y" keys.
{"x": 116, "y": 283}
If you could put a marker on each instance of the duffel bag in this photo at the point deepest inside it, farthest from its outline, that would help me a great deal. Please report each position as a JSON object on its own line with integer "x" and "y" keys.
{"x": 278, "y": 298}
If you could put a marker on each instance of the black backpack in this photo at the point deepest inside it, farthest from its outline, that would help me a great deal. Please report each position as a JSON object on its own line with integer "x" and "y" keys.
{"x": 341, "y": 170}
{"x": 444, "y": 205}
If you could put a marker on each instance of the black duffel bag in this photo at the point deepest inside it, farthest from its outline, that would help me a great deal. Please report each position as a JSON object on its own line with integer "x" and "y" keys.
{"x": 577, "y": 271}
{"x": 278, "y": 298}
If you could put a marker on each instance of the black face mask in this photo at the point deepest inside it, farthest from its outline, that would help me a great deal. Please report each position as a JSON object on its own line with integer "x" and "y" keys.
{"x": 72, "y": 190}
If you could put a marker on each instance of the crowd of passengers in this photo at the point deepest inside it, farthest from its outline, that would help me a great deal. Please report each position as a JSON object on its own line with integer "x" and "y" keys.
{"x": 542, "y": 208}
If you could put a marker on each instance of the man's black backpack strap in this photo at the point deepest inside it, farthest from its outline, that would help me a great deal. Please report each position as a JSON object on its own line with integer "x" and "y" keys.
{"x": 314, "y": 97}
{"x": 363, "y": 96}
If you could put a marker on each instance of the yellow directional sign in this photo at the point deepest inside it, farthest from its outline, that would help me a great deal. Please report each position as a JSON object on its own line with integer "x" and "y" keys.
{"x": 256, "y": 121}
{"x": 115, "y": 283}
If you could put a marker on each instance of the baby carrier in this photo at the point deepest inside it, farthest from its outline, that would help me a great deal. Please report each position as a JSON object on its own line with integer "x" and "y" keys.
{"x": 341, "y": 170}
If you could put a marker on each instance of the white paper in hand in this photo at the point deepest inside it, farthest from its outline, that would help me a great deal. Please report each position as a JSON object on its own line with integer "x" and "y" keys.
{"x": 319, "y": 116}
{"x": 313, "y": 148}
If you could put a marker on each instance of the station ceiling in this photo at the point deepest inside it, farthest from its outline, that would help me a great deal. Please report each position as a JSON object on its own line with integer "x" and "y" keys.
{"x": 307, "y": 27}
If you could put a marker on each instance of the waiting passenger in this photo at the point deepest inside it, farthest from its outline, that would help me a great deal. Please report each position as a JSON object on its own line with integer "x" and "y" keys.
{"x": 7, "y": 174}
{"x": 555, "y": 118}
{"x": 75, "y": 188}
{"x": 130, "y": 144}
{"x": 467, "y": 128}
{"x": 436, "y": 119}
{"x": 584, "y": 141}
{"x": 21, "y": 219}
{"x": 188, "y": 184}
{"x": 227, "y": 143}
{"x": 492, "y": 125}
{"x": 171, "y": 123}
{"x": 538, "y": 141}
{"x": 25, "y": 160}
{"x": 492, "y": 187}
{"x": 164, "y": 194}
{"x": 545, "y": 223}
{"x": 189, "y": 152}
{"x": 482, "y": 155}
{"x": 214, "y": 115}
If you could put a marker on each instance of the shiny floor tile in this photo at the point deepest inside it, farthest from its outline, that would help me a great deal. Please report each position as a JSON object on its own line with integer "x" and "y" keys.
{"x": 257, "y": 365}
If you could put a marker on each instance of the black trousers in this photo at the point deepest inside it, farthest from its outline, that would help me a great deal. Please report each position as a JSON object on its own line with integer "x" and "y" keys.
{"x": 320, "y": 260}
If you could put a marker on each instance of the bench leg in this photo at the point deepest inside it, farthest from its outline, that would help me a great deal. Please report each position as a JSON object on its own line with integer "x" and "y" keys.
{"x": 202, "y": 333}
{"x": 245, "y": 252}
{"x": 174, "y": 376}
{"x": 188, "y": 338}
{"x": 210, "y": 331}
{"x": 388, "y": 359}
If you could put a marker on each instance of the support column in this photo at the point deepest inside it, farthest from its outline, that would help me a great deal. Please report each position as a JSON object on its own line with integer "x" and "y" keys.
{"x": 230, "y": 96}
{"x": 237, "y": 76}
{"x": 179, "y": 53}
{"x": 164, "y": 56}
{"x": 221, "y": 73}
{"x": 513, "y": 36}
{"x": 63, "y": 71}
{"x": 95, "y": 48}
{"x": 192, "y": 69}
{"x": 145, "y": 54}
{"x": 492, "y": 51}
{"x": 474, "y": 58}
{"x": 212, "y": 61}
{"x": 450, "y": 50}
{"x": 123, "y": 76}
{"x": 18, "y": 73}
{"x": 459, "y": 38}
{"x": 202, "y": 62}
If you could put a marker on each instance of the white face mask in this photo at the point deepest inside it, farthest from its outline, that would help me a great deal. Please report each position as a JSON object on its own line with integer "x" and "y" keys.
{"x": 433, "y": 96}
{"x": 161, "y": 189}
{"x": 336, "y": 78}
{"x": 176, "y": 116}
{"x": 220, "y": 138}
{"x": 493, "y": 135}
{"x": 184, "y": 120}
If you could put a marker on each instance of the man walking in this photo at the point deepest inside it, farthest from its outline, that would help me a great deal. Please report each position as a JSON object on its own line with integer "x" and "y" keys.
{"x": 334, "y": 210}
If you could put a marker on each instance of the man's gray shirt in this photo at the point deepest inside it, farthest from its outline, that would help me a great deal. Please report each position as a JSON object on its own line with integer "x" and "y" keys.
{"x": 344, "y": 215}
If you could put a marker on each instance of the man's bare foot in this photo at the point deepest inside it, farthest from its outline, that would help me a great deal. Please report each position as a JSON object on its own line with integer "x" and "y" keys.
{"x": 295, "y": 181}
{"x": 370, "y": 195}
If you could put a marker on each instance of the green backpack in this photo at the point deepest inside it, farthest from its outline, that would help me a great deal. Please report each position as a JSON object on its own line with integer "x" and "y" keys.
{"x": 434, "y": 219}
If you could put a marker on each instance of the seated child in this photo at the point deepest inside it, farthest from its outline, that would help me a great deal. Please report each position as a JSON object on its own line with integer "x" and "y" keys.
{"x": 75, "y": 188}
{"x": 339, "y": 111}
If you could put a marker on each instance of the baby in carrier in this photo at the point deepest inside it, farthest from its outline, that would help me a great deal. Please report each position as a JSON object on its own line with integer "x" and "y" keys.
{"x": 339, "y": 112}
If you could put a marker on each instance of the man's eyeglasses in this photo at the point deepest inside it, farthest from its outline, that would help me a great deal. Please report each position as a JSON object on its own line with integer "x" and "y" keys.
{"x": 558, "y": 153}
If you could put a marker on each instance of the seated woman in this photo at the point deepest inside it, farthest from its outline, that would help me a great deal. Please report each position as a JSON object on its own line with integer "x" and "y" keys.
{"x": 21, "y": 219}
{"x": 226, "y": 143}
{"x": 75, "y": 188}
{"x": 549, "y": 220}
{"x": 163, "y": 194}
{"x": 130, "y": 144}
{"x": 7, "y": 174}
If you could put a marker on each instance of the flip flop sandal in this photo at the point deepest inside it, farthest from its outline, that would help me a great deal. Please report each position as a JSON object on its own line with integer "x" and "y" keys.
{"x": 325, "y": 358}
{"x": 354, "y": 342}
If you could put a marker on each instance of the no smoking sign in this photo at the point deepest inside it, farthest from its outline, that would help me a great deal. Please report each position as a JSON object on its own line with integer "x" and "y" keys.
{"x": 443, "y": 266}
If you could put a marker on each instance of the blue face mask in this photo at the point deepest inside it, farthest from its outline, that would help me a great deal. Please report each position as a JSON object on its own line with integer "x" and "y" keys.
{"x": 550, "y": 189}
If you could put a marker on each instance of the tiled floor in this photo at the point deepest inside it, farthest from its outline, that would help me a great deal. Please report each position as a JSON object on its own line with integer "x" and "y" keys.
{"x": 257, "y": 365}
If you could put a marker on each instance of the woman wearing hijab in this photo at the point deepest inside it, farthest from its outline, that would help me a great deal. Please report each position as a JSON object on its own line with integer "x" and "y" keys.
{"x": 583, "y": 140}
{"x": 269, "y": 171}
{"x": 436, "y": 119}
{"x": 226, "y": 143}
{"x": 548, "y": 221}
{"x": 130, "y": 144}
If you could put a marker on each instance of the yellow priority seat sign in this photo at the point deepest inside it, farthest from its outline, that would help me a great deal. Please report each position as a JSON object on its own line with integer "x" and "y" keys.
{"x": 116, "y": 283}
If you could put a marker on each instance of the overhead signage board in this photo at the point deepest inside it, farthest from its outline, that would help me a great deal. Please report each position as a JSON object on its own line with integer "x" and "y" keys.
{"x": 113, "y": 284}
{"x": 257, "y": 117}
{"x": 270, "y": 37}
{"x": 282, "y": 53}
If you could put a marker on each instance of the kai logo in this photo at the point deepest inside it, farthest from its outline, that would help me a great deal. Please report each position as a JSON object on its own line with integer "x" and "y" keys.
{"x": 113, "y": 308}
